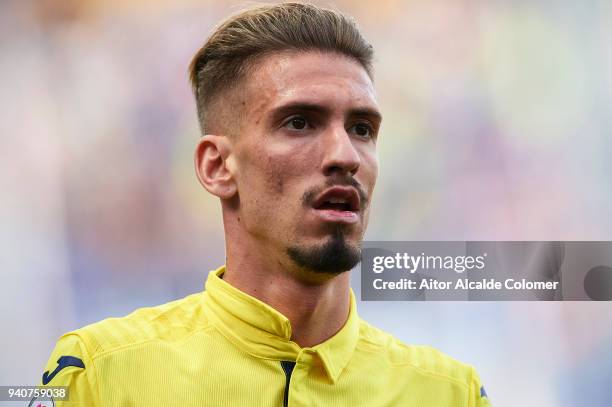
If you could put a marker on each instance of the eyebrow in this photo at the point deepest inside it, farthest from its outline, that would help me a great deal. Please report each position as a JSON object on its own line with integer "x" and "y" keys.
{"x": 280, "y": 111}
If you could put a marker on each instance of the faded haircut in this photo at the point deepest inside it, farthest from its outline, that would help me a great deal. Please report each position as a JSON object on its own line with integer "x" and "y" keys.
{"x": 233, "y": 47}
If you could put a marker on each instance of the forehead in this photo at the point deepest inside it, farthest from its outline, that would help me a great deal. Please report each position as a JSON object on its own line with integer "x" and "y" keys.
{"x": 332, "y": 80}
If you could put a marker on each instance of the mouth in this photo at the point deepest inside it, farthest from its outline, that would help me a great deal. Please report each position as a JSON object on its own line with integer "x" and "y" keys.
{"x": 338, "y": 204}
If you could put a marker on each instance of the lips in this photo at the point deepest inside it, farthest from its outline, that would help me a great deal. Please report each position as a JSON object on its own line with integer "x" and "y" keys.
{"x": 340, "y": 199}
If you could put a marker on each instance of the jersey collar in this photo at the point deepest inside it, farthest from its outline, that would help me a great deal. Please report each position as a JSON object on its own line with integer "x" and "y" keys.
{"x": 263, "y": 332}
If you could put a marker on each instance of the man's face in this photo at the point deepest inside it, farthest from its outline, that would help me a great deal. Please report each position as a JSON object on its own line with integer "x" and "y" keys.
{"x": 305, "y": 158}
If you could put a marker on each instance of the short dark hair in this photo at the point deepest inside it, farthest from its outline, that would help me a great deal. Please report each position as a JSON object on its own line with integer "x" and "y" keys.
{"x": 237, "y": 42}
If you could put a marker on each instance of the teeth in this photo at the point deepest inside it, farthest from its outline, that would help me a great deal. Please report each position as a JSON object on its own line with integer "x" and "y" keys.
{"x": 337, "y": 201}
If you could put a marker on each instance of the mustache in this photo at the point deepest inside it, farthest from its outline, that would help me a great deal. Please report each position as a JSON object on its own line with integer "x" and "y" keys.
{"x": 336, "y": 180}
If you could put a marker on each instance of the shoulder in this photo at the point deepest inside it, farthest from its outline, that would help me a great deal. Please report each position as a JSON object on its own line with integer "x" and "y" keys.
{"x": 168, "y": 322}
{"x": 423, "y": 360}
{"x": 74, "y": 358}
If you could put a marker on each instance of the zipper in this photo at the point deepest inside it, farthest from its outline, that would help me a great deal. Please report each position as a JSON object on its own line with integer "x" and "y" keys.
{"x": 288, "y": 369}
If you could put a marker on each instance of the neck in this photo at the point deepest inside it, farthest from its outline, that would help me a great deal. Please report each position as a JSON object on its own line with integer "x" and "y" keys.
{"x": 316, "y": 311}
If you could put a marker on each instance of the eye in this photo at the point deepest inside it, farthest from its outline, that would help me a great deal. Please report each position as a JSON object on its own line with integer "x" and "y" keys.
{"x": 296, "y": 123}
{"x": 363, "y": 130}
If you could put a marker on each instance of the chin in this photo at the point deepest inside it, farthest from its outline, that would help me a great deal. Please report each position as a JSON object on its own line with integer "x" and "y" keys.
{"x": 334, "y": 256}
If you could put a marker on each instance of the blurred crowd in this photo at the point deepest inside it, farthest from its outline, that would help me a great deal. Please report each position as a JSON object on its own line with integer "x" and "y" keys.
{"x": 496, "y": 126}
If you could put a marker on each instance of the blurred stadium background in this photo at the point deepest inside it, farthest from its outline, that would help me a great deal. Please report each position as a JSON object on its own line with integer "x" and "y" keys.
{"x": 497, "y": 126}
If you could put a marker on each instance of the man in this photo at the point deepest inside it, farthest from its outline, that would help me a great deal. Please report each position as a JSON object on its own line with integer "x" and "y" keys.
{"x": 288, "y": 112}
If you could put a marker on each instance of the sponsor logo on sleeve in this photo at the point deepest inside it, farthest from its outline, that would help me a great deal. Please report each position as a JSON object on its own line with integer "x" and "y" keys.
{"x": 62, "y": 362}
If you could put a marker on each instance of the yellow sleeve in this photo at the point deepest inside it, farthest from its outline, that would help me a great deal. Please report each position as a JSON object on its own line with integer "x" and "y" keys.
{"x": 478, "y": 394}
{"x": 71, "y": 366}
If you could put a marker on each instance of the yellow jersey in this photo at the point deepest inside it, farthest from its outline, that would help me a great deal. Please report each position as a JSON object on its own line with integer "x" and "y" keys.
{"x": 222, "y": 347}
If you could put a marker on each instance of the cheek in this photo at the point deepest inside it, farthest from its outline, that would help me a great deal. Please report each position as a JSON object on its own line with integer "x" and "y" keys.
{"x": 268, "y": 179}
{"x": 369, "y": 168}
{"x": 272, "y": 197}
{"x": 276, "y": 176}
{"x": 283, "y": 167}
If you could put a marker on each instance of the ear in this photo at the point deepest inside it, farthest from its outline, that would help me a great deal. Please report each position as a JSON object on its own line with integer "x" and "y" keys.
{"x": 211, "y": 165}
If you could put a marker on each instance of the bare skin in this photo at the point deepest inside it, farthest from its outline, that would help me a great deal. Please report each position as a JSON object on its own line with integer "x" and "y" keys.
{"x": 304, "y": 120}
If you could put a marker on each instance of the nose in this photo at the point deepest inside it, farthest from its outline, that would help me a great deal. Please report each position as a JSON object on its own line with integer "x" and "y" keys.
{"x": 339, "y": 152}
